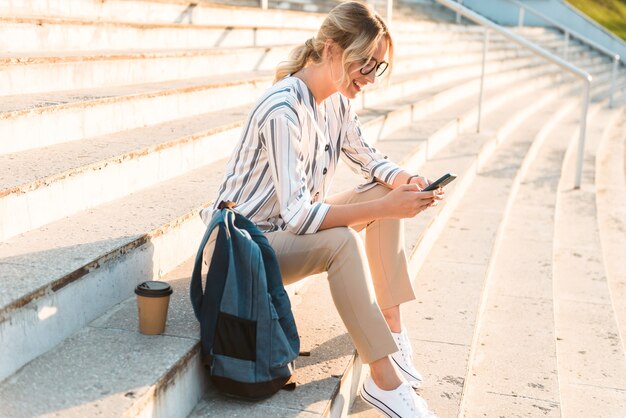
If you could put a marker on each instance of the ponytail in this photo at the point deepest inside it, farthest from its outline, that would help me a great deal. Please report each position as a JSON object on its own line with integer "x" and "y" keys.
{"x": 299, "y": 57}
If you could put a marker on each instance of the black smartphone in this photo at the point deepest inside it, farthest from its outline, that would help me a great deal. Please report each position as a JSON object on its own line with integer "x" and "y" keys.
{"x": 440, "y": 182}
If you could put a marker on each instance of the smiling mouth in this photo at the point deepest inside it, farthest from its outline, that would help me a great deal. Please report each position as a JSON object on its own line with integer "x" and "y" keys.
{"x": 357, "y": 85}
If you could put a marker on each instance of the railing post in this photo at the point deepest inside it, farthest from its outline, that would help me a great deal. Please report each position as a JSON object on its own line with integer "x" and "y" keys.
{"x": 482, "y": 80}
{"x": 613, "y": 75}
{"x": 264, "y": 4}
{"x": 566, "y": 46}
{"x": 581, "y": 136}
{"x": 520, "y": 18}
{"x": 458, "y": 15}
{"x": 389, "y": 11}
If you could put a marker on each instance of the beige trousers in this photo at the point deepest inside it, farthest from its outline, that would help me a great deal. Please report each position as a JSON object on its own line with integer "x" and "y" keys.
{"x": 363, "y": 276}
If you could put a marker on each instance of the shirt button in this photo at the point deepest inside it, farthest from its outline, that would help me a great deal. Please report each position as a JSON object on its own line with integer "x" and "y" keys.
{"x": 326, "y": 147}
{"x": 325, "y": 171}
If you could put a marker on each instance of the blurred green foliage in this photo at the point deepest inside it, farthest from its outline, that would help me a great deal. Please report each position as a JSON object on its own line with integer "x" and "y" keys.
{"x": 609, "y": 13}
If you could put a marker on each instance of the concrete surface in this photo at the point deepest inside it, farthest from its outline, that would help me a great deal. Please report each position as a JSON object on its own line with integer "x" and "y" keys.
{"x": 589, "y": 349}
{"x": 516, "y": 323}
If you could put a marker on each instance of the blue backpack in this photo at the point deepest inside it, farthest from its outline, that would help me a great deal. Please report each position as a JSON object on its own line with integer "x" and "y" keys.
{"x": 248, "y": 332}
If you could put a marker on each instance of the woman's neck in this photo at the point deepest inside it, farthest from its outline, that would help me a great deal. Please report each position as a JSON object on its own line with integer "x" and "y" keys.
{"x": 318, "y": 80}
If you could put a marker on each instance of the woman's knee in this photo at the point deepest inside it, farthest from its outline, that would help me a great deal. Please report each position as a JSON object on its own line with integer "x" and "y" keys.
{"x": 346, "y": 237}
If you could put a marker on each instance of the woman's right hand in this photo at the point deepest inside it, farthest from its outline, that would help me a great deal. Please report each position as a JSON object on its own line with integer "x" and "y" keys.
{"x": 407, "y": 201}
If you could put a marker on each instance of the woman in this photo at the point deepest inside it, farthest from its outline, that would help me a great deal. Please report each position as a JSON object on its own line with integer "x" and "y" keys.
{"x": 281, "y": 171}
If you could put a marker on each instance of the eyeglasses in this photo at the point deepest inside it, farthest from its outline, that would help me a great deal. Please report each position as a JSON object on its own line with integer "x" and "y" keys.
{"x": 372, "y": 65}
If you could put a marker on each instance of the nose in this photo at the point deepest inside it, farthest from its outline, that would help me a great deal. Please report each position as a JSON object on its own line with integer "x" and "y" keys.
{"x": 371, "y": 77}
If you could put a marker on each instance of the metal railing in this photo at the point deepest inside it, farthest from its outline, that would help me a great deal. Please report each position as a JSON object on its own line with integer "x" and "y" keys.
{"x": 569, "y": 34}
{"x": 584, "y": 76}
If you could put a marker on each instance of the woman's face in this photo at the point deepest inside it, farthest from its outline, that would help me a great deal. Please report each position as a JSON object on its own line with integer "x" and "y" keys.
{"x": 358, "y": 80}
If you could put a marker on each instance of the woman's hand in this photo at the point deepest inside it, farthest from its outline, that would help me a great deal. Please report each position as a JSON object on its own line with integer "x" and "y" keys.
{"x": 407, "y": 201}
{"x": 421, "y": 181}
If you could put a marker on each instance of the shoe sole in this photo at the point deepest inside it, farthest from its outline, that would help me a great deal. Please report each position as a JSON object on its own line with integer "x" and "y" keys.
{"x": 380, "y": 405}
{"x": 413, "y": 381}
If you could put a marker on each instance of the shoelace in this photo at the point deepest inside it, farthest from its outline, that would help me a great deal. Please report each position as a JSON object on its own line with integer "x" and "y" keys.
{"x": 408, "y": 399}
{"x": 407, "y": 344}
{"x": 407, "y": 355}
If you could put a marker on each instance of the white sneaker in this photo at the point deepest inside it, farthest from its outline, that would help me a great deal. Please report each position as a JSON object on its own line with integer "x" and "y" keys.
{"x": 403, "y": 359}
{"x": 402, "y": 402}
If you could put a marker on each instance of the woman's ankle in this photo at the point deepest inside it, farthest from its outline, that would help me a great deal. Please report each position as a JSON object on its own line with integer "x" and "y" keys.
{"x": 384, "y": 374}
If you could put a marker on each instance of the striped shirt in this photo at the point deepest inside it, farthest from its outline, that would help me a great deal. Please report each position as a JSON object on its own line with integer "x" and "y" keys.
{"x": 281, "y": 169}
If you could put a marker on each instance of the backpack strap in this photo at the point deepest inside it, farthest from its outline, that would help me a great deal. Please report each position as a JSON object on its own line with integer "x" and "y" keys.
{"x": 218, "y": 269}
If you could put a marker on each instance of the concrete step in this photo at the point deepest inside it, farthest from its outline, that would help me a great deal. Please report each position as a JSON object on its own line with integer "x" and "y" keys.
{"x": 518, "y": 296}
{"x": 159, "y": 12}
{"x": 19, "y": 35}
{"x": 610, "y": 183}
{"x": 590, "y": 353}
{"x": 78, "y": 71}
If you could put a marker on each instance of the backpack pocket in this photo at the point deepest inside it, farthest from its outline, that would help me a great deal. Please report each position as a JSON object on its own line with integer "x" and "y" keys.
{"x": 281, "y": 352}
{"x": 235, "y": 337}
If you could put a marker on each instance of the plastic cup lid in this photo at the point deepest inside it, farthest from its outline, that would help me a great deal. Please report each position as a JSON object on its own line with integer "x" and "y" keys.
{"x": 153, "y": 289}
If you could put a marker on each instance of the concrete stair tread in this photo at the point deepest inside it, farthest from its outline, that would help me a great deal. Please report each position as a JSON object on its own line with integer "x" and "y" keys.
{"x": 28, "y": 170}
{"x": 94, "y": 372}
{"x": 518, "y": 297}
{"x": 610, "y": 191}
{"x": 44, "y": 57}
{"x": 16, "y": 105}
{"x": 449, "y": 284}
{"x": 165, "y": 12}
{"x": 52, "y": 20}
{"x": 59, "y": 57}
{"x": 590, "y": 351}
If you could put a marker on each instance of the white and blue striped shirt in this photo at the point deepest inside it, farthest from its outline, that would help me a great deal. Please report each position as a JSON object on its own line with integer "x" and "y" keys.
{"x": 281, "y": 169}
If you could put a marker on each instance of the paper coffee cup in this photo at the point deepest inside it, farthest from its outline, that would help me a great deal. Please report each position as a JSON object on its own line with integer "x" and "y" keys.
{"x": 153, "y": 299}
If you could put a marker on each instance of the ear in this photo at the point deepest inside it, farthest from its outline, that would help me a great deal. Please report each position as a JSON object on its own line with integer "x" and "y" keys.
{"x": 330, "y": 47}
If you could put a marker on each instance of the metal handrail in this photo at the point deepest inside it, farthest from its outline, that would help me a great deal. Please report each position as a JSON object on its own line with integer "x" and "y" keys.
{"x": 568, "y": 33}
{"x": 584, "y": 76}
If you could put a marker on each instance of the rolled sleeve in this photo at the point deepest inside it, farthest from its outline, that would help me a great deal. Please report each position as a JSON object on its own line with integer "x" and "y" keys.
{"x": 362, "y": 158}
{"x": 282, "y": 138}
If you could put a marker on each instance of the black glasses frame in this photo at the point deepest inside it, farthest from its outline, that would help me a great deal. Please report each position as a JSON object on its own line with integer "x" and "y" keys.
{"x": 380, "y": 67}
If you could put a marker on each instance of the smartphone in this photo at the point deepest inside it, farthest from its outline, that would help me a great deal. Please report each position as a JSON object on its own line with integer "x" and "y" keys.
{"x": 440, "y": 182}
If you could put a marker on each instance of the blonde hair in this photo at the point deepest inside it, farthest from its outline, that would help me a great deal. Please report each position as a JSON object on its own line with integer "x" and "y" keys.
{"x": 355, "y": 27}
